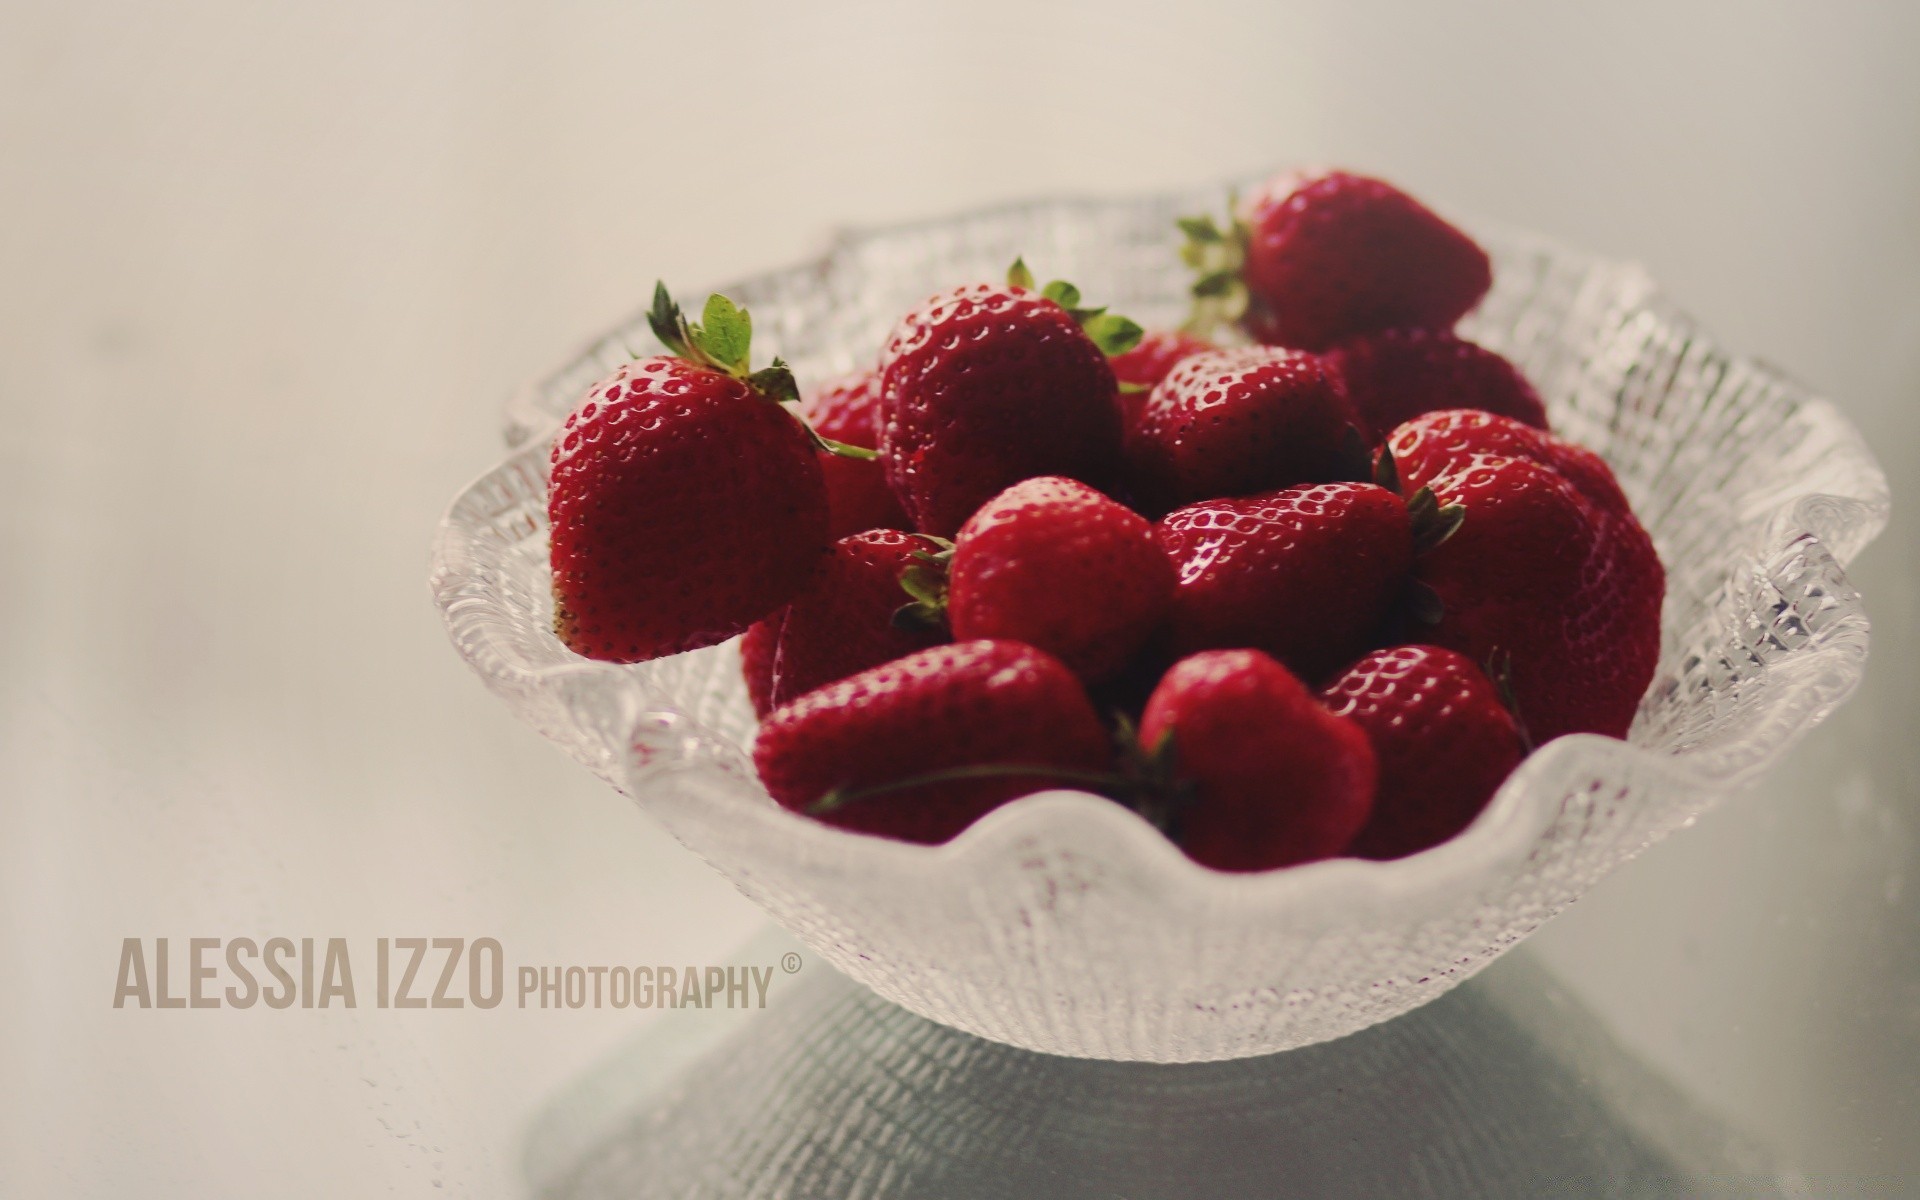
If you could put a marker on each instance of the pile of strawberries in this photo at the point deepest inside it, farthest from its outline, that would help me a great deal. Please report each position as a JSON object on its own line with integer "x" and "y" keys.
{"x": 1307, "y": 577}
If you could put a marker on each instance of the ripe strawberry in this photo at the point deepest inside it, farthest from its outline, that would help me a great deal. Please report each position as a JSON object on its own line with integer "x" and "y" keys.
{"x": 858, "y": 498}
{"x": 1549, "y": 572}
{"x": 1312, "y": 258}
{"x": 1274, "y": 778}
{"x": 1236, "y": 422}
{"x": 757, "y": 647}
{"x": 1140, "y": 368}
{"x": 1395, "y": 375}
{"x": 985, "y": 385}
{"x": 685, "y": 502}
{"x": 1442, "y": 738}
{"x": 980, "y": 704}
{"x": 842, "y": 622}
{"x": 1055, "y": 564}
{"x": 1304, "y": 574}
{"x": 1437, "y": 442}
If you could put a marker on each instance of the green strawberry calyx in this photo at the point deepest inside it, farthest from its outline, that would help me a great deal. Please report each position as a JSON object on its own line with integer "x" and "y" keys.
{"x": 1499, "y": 669}
{"x": 1216, "y": 254}
{"x": 1113, "y": 333}
{"x": 722, "y": 341}
{"x": 1155, "y": 788}
{"x": 925, "y": 580}
{"x": 1432, "y": 521}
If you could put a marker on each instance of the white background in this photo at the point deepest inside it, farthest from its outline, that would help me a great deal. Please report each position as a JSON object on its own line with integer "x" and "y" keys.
{"x": 267, "y": 271}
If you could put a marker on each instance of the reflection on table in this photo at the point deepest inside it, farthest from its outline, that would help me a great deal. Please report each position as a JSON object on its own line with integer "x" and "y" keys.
{"x": 1504, "y": 1087}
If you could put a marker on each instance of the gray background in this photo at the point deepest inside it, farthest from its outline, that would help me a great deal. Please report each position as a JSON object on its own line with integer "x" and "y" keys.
{"x": 266, "y": 273}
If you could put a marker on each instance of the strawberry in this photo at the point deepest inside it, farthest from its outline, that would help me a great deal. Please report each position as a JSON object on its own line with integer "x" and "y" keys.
{"x": 985, "y": 385}
{"x": 858, "y": 498}
{"x": 686, "y": 503}
{"x": 757, "y": 648}
{"x": 1398, "y": 374}
{"x": 1271, "y": 777}
{"x": 1140, "y": 368}
{"x": 1442, "y": 738}
{"x": 1311, "y": 258}
{"x": 1304, "y": 574}
{"x": 1055, "y": 564}
{"x": 1549, "y": 574}
{"x": 1236, "y": 422}
{"x": 1437, "y": 442}
{"x": 842, "y": 622}
{"x": 945, "y": 710}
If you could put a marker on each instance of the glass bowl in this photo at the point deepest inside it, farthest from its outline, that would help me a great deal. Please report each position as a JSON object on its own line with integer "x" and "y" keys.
{"x": 1064, "y": 923}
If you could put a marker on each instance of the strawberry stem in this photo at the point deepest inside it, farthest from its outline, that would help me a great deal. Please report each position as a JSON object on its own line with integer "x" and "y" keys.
{"x": 1386, "y": 470}
{"x": 723, "y": 342}
{"x": 1499, "y": 667}
{"x": 925, "y": 580}
{"x": 842, "y": 449}
{"x": 1216, "y": 255}
{"x": 1113, "y": 333}
{"x": 1423, "y": 603}
{"x": 1433, "y": 522}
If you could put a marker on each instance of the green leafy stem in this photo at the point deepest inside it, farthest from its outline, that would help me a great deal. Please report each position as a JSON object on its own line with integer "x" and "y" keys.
{"x": 723, "y": 341}
{"x": 1113, "y": 333}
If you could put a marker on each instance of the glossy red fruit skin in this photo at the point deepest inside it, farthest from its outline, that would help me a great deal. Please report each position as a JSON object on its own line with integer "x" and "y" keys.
{"x": 684, "y": 507}
{"x": 841, "y": 623}
{"x": 1276, "y": 778}
{"x": 1305, "y": 574}
{"x": 1434, "y": 443}
{"x": 1549, "y": 568}
{"x": 1333, "y": 254}
{"x": 1443, "y": 742}
{"x": 983, "y": 386}
{"x": 963, "y": 704}
{"x": 757, "y": 648}
{"x": 1237, "y": 422}
{"x": 1055, "y": 564}
{"x": 1395, "y": 375}
{"x": 847, "y": 410}
{"x": 1144, "y": 366}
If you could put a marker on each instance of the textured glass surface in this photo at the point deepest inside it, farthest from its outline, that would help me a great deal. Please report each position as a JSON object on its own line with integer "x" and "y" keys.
{"x": 1062, "y": 922}
{"x": 1506, "y": 1089}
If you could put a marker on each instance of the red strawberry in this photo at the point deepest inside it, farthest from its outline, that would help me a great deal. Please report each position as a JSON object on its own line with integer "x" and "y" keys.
{"x": 1434, "y": 443}
{"x": 685, "y": 502}
{"x": 1549, "y": 571}
{"x": 985, "y": 385}
{"x": 1305, "y": 573}
{"x": 858, "y": 498}
{"x": 1312, "y": 258}
{"x": 968, "y": 704}
{"x": 1236, "y": 422}
{"x": 1140, "y": 368}
{"x": 842, "y": 622}
{"x": 1398, "y": 374}
{"x": 1055, "y": 564}
{"x": 1274, "y": 778}
{"x": 757, "y": 647}
{"x": 1442, "y": 738}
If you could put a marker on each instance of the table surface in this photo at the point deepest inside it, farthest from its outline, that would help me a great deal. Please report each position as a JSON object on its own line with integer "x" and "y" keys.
{"x": 267, "y": 273}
